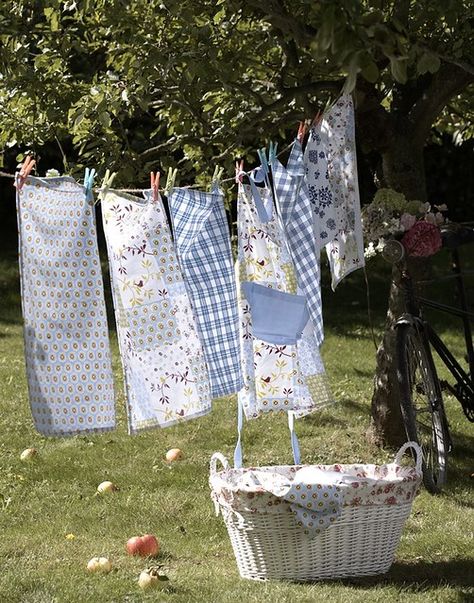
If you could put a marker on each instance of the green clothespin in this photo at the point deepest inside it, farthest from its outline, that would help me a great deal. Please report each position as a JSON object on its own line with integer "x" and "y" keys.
{"x": 108, "y": 178}
{"x": 170, "y": 178}
{"x": 106, "y": 183}
{"x": 217, "y": 177}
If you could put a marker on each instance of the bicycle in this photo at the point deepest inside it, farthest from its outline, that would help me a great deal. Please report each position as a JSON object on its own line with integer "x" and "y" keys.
{"x": 420, "y": 388}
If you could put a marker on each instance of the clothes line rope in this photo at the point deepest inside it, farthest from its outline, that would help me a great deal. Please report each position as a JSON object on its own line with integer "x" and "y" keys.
{"x": 162, "y": 190}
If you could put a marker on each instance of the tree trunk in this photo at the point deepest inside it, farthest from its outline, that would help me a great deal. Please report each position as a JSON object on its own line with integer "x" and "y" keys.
{"x": 403, "y": 171}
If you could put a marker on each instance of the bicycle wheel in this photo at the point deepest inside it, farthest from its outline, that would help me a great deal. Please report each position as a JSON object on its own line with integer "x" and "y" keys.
{"x": 422, "y": 403}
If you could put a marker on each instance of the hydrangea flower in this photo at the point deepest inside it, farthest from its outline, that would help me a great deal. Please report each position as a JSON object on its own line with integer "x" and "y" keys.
{"x": 390, "y": 215}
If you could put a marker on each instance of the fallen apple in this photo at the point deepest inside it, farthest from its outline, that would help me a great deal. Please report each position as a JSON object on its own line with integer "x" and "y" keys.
{"x": 106, "y": 487}
{"x": 99, "y": 564}
{"x": 144, "y": 546}
{"x": 151, "y": 578}
{"x": 28, "y": 454}
{"x": 175, "y": 454}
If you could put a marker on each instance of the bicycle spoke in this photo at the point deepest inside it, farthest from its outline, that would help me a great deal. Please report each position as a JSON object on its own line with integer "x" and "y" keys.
{"x": 421, "y": 403}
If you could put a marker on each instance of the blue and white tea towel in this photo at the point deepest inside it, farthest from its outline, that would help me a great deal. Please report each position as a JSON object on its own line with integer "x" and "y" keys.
{"x": 67, "y": 351}
{"x": 202, "y": 241}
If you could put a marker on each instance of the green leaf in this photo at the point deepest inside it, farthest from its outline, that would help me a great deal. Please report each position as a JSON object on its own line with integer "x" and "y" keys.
{"x": 353, "y": 69}
{"x": 104, "y": 119}
{"x": 428, "y": 62}
{"x": 326, "y": 31}
{"x": 399, "y": 69}
{"x": 219, "y": 16}
{"x": 370, "y": 72}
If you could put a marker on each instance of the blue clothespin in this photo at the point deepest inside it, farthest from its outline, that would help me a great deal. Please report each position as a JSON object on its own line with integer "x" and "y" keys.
{"x": 272, "y": 152}
{"x": 262, "y": 154}
{"x": 89, "y": 176}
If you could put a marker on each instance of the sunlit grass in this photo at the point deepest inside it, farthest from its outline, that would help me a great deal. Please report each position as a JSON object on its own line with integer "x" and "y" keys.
{"x": 43, "y": 501}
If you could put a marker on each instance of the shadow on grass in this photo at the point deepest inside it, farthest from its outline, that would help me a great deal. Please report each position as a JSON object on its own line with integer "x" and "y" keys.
{"x": 422, "y": 576}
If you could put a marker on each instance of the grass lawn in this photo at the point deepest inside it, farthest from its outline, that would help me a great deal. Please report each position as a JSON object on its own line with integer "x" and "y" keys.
{"x": 43, "y": 501}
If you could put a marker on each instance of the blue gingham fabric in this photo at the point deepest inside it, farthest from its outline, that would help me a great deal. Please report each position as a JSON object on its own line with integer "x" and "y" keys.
{"x": 296, "y": 212}
{"x": 202, "y": 242}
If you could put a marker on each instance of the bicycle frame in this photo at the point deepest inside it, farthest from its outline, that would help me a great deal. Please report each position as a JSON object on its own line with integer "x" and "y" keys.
{"x": 414, "y": 304}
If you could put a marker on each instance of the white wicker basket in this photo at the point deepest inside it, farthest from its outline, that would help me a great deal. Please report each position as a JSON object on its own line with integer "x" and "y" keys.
{"x": 270, "y": 545}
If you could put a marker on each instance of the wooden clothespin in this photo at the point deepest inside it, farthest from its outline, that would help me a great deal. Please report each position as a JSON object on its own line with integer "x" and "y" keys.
{"x": 89, "y": 176}
{"x": 24, "y": 172}
{"x": 171, "y": 177}
{"x": 239, "y": 171}
{"x": 155, "y": 184}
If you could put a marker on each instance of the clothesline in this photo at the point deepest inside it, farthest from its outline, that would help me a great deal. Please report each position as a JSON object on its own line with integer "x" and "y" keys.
{"x": 141, "y": 190}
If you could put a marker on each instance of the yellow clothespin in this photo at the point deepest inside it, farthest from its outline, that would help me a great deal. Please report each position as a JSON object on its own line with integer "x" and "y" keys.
{"x": 24, "y": 172}
{"x": 171, "y": 177}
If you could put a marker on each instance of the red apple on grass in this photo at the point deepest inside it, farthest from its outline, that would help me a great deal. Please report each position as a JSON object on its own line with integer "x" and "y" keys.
{"x": 145, "y": 546}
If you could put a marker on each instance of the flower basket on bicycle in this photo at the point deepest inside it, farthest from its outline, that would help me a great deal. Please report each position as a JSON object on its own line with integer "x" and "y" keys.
{"x": 315, "y": 522}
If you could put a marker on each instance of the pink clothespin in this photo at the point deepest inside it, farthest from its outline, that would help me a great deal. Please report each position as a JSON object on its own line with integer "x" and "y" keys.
{"x": 239, "y": 171}
{"x": 155, "y": 184}
{"x": 317, "y": 118}
{"x": 301, "y": 131}
{"x": 24, "y": 172}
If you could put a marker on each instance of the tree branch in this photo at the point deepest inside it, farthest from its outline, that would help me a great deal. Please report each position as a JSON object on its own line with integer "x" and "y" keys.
{"x": 375, "y": 124}
{"x": 275, "y": 13}
{"x": 448, "y": 81}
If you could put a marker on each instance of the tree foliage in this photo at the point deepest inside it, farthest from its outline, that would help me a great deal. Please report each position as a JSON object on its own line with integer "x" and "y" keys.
{"x": 136, "y": 84}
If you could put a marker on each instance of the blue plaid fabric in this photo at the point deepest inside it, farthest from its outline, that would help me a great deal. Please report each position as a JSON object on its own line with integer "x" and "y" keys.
{"x": 203, "y": 246}
{"x": 297, "y": 216}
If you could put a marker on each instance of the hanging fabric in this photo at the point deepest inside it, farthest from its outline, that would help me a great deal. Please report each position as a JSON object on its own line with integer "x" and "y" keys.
{"x": 67, "y": 351}
{"x": 319, "y": 186}
{"x": 346, "y": 251}
{"x": 296, "y": 213}
{"x": 203, "y": 246}
{"x": 277, "y": 376}
{"x": 166, "y": 378}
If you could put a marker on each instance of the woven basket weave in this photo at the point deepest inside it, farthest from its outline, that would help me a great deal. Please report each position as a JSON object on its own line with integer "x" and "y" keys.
{"x": 361, "y": 542}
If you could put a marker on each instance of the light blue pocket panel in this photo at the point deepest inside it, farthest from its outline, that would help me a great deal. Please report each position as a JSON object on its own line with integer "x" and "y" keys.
{"x": 277, "y": 317}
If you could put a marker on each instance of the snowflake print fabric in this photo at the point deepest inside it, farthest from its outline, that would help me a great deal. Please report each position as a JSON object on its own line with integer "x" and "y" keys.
{"x": 319, "y": 187}
{"x": 67, "y": 351}
{"x": 165, "y": 372}
{"x": 276, "y": 377}
{"x": 346, "y": 249}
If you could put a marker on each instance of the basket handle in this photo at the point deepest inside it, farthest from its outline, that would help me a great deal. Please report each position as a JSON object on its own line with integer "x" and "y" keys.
{"x": 217, "y": 456}
{"x": 418, "y": 454}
